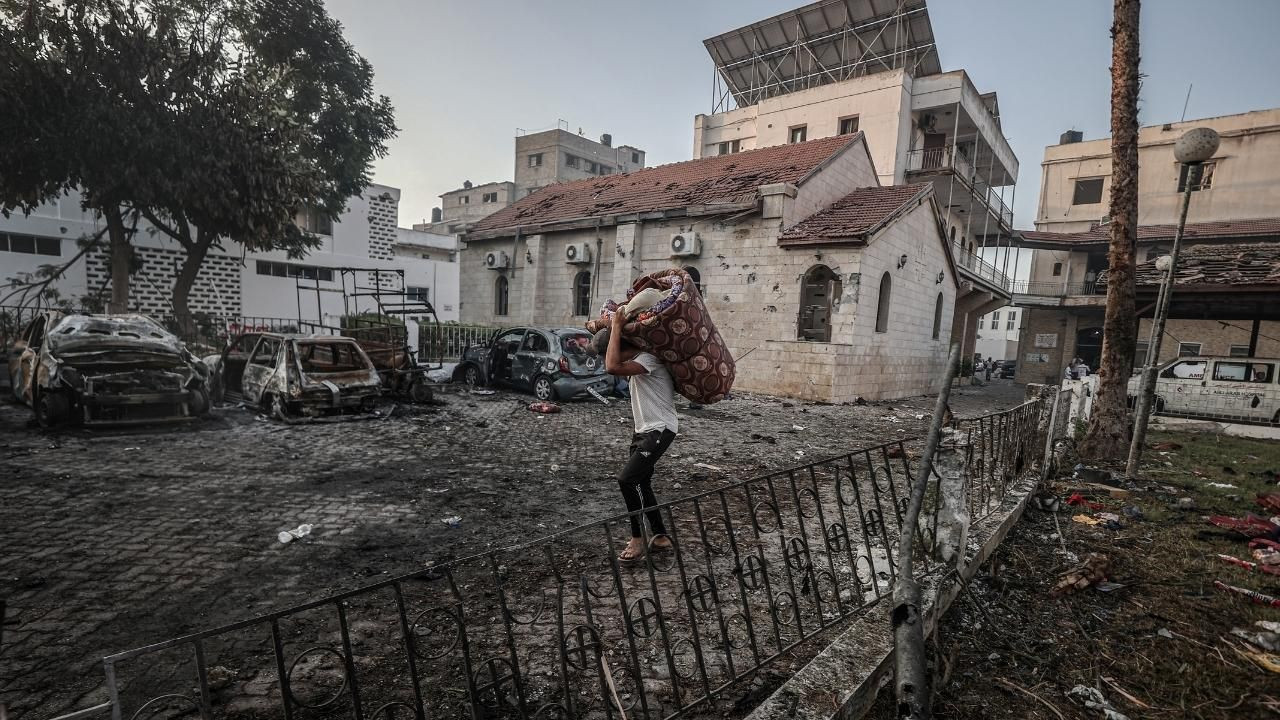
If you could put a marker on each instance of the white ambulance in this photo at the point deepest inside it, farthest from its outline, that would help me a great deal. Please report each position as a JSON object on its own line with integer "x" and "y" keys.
{"x": 1229, "y": 388}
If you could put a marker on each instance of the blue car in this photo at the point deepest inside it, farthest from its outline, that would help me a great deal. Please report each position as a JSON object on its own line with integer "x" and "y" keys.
{"x": 553, "y": 363}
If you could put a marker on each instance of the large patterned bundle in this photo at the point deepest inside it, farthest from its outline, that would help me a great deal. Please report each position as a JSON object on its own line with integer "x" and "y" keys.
{"x": 680, "y": 332}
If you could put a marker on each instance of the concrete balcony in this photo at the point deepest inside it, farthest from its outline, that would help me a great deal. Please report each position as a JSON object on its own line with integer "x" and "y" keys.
{"x": 958, "y": 185}
{"x": 1051, "y": 293}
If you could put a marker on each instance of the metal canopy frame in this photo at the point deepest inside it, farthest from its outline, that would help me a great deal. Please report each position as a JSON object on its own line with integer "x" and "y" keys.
{"x": 820, "y": 43}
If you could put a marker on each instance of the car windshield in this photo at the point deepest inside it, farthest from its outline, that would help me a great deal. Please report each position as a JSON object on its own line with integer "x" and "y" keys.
{"x": 575, "y": 344}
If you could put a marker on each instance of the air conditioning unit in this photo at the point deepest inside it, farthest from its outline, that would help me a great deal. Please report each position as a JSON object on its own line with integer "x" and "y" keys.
{"x": 496, "y": 260}
{"x": 577, "y": 254}
{"x": 685, "y": 244}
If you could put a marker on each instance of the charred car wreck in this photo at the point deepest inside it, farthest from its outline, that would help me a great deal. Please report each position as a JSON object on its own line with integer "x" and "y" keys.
{"x": 552, "y": 362}
{"x": 296, "y": 377}
{"x": 105, "y": 370}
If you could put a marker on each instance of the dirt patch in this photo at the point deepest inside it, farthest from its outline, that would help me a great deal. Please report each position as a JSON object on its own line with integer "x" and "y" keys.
{"x": 1157, "y": 646}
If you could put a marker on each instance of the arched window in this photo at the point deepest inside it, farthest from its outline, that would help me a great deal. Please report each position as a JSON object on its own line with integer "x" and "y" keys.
{"x": 582, "y": 293}
{"x": 937, "y": 317}
{"x": 696, "y": 276}
{"x": 882, "y": 305}
{"x": 819, "y": 295}
{"x": 500, "y": 295}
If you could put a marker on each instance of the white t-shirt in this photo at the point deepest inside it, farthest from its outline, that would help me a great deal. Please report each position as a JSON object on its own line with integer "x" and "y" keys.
{"x": 653, "y": 400}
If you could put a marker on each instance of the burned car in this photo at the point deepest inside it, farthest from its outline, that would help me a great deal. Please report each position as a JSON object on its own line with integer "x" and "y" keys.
{"x": 552, "y": 362}
{"x": 105, "y": 370}
{"x": 296, "y": 376}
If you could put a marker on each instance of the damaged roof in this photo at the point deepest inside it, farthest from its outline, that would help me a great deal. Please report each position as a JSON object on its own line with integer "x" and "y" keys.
{"x": 719, "y": 180}
{"x": 1100, "y": 234}
{"x": 854, "y": 216}
{"x": 1220, "y": 265}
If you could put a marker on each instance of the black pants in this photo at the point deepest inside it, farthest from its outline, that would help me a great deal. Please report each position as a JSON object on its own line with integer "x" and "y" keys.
{"x": 635, "y": 478}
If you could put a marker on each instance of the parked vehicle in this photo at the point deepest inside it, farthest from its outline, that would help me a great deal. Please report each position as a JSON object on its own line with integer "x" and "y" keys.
{"x": 1008, "y": 368}
{"x": 296, "y": 376}
{"x": 550, "y": 362}
{"x": 1232, "y": 388}
{"x": 105, "y": 370}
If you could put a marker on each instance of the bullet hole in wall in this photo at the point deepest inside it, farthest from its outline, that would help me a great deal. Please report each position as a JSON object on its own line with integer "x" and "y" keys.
{"x": 751, "y": 277}
{"x": 770, "y": 308}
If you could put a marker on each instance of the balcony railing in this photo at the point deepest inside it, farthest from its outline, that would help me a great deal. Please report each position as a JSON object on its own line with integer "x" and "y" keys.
{"x": 970, "y": 261}
{"x": 946, "y": 158}
{"x": 1052, "y": 288}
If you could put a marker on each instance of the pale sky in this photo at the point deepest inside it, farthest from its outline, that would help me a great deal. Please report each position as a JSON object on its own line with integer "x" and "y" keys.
{"x": 464, "y": 75}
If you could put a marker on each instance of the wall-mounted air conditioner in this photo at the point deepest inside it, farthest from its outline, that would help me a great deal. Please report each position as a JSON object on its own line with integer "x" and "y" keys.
{"x": 686, "y": 244}
{"x": 577, "y": 254}
{"x": 496, "y": 260}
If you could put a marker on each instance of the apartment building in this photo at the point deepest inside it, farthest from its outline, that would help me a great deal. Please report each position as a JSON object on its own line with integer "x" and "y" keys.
{"x": 557, "y": 155}
{"x": 838, "y": 67}
{"x": 233, "y": 283}
{"x": 1234, "y": 213}
{"x": 998, "y": 333}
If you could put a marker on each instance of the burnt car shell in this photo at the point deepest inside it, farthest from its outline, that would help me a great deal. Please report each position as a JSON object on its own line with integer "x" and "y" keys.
{"x": 106, "y": 370}
{"x": 297, "y": 376}
{"x": 551, "y": 362}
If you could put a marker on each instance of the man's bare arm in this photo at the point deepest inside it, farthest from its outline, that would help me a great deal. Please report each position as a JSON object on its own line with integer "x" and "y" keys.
{"x": 615, "y": 361}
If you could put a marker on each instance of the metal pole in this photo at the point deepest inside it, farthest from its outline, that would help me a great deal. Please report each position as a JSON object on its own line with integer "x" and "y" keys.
{"x": 911, "y": 678}
{"x": 1148, "y": 386}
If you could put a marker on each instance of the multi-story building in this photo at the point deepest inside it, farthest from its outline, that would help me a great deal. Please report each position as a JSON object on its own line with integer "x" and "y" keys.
{"x": 836, "y": 67}
{"x": 998, "y": 334}
{"x": 1234, "y": 206}
{"x": 233, "y": 284}
{"x": 557, "y": 155}
{"x": 469, "y": 203}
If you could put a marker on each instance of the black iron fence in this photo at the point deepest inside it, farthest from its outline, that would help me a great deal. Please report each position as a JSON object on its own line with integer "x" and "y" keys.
{"x": 561, "y": 628}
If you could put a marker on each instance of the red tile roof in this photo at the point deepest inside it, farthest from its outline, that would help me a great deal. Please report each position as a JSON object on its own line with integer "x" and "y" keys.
{"x": 722, "y": 179}
{"x": 1234, "y": 264}
{"x": 1222, "y": 229}
{"x": 853, "y": 216}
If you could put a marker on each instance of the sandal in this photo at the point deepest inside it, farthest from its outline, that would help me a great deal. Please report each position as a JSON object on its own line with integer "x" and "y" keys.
{"x": 630, "y": 560}
{"x": 656, "y": 548}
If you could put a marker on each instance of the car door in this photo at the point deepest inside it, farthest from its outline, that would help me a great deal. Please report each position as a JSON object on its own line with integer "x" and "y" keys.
{"x": 500, "y": 365}
{"x": 1239, "y": 389}
{"x": 24, "y": 358}
{"x": 257, "y": 371}
{"x": 1180, "y": 384}
{"x": 533, "y": 352}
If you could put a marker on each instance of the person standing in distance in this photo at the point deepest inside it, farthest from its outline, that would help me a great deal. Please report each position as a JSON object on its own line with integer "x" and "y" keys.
{"x": 653, "y": 408}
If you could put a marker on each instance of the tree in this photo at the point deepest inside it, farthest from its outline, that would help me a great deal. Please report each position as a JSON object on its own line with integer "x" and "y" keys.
{"x": 225, "y": 120}
{"x": 1108, "y": 431}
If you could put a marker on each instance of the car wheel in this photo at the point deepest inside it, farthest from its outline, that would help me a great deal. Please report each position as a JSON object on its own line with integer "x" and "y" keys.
{"x": 420, "y": 392}
{"x": 543, "y": 389}
{"x": 51, "y": 408}
{"x": 471, "y": 376}
{"x": 200, "y": 403}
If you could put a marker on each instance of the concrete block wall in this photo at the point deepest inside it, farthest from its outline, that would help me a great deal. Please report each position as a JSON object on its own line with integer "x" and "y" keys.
{"x": 1214, "y": 337}
{"x": 844, "y": 174}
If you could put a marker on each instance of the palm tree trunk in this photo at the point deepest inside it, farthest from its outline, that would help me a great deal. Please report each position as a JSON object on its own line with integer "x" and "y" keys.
{"x": 1108, "y": 432}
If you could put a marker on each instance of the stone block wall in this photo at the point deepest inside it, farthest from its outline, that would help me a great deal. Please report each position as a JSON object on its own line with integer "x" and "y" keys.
{"x": 216, "y": 290}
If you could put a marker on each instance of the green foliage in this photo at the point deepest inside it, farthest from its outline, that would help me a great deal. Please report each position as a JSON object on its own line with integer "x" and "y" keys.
{"x": 216, "y": 119}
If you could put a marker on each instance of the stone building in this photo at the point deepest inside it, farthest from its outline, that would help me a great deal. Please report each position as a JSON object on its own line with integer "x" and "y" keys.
{"x": 469, "y": 203}
{"x": 554, "y": 156}
{"x": 1236, "y": 203}
{"x": 825, "y": 284}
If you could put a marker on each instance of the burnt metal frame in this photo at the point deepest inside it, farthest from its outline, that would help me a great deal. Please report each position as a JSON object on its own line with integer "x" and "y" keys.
{"x": 760, "y": 566}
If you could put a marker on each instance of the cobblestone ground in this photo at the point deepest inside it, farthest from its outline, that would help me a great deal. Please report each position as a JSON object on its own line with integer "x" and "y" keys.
{"x": 110, "y": 541}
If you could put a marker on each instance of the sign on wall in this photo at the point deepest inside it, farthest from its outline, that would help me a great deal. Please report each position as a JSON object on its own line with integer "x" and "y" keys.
{"x": 1037, "y": 357}
{"x": 1047, "y": 340}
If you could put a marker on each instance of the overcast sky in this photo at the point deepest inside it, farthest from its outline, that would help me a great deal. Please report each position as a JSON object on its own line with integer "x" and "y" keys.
{"x": 464, "y": 75}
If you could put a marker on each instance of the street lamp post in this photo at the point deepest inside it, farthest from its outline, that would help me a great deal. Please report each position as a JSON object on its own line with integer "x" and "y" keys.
{"x": 1191, "y": 150}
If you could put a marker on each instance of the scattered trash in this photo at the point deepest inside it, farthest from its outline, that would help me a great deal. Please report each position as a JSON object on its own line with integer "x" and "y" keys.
{"x": 452, "y": 521}
{"x": 1094, "y": 569}
{"x": 1092, "y": 475}
{"x": 1132, "y": 511}
{"x": 993, "y": 657}
{"x": 1266, "y": 661}
{"x": 1046, "y": 502}
{"x": 1246, "y": 564}
{"x": 1186, "y": 503}
{"x": 920, "y": 417}
{"x": 482, "y": 423}
{"x": 1224, "y": 486}
{"x": 1269, "y": 501}
{"x": 1266, "y": 552}
{"x": 288, "y": 536}
{"x": 1085, "y": 520}
{"x": 576, "y": 489}
{"x": 764, "y": 438}
{"x": 797, "y": 428}
{"x": 676, "y": 486}
{"x": 1253, "y": 595}
{"x": 595, "y": 394}
{"x": 219, "y": 677}
{"x": 132, "y": 448}
{"x": 555, "y": 467}
{"x": 1250, "y": 525}
{"x": 705, "y": 466}
{"x": 1078, "y": 499}
{"x": 1268, "y": 640}
{"x": 1164, "y": 633}
{"x": 1107, "y": 586}
{"x": 1094, "y": 700}
{"x": 484, "y": 392}
{"x": 544, "y": 407}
